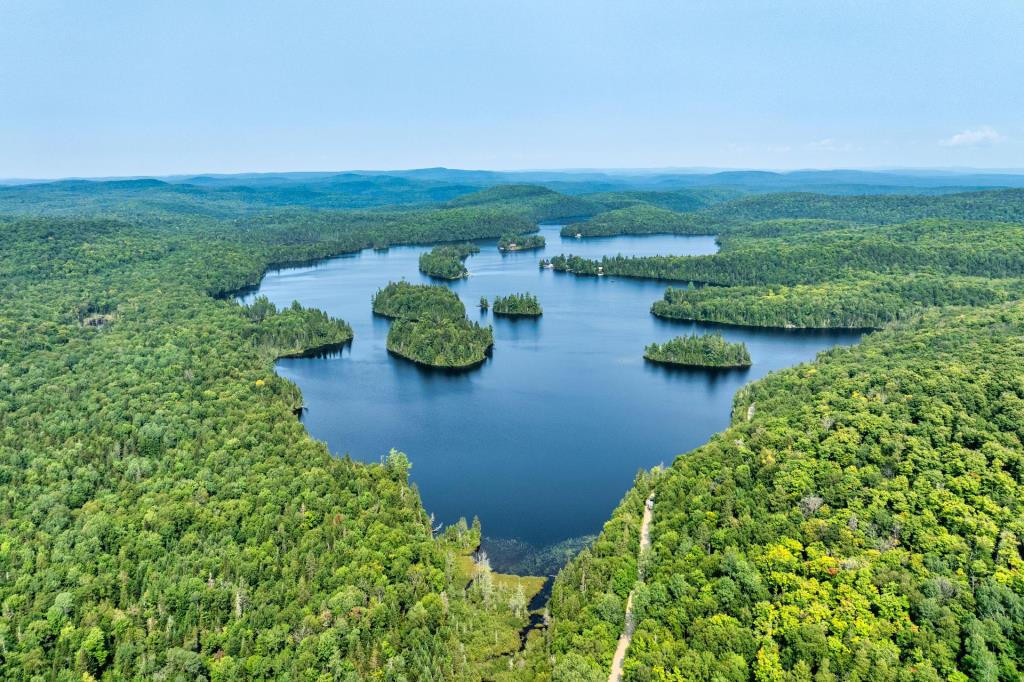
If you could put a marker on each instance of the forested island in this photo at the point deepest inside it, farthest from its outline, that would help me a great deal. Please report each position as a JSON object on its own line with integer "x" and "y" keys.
{"x": 430, "y": 326}
{"x": 165, "y": 516}
{"x": 709, "y": 350}
{"x": 521, "y": 242}
{"x": 448, "y": 343}
{"x": 447, "y": 261}
{"x": 416, "y": 301}
{"x": 524, "y": 305}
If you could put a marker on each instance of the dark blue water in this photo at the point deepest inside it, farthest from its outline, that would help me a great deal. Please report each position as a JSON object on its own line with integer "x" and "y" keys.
{"x": 543, "y": 440}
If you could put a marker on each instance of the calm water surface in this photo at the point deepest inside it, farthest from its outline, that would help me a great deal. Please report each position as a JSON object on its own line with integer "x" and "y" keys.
{"x": 543, "y": 440}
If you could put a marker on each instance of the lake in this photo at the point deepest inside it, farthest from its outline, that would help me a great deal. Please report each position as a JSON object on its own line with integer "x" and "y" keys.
{"x": 543, "y": 439}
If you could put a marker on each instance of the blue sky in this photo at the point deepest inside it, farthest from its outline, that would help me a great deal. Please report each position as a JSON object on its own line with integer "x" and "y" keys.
{"x": 105, "y": 87}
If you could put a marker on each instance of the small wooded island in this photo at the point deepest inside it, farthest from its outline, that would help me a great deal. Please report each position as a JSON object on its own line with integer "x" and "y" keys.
{"x": 521, "y": 242}
{"x": 699, "y": 351}
{"x": 519, "y": 305}
{"x": 447, "y": 261}
{"x": 430, "y": 326}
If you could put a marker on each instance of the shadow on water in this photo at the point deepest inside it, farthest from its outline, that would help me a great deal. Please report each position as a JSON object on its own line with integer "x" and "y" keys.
{"x": 710, "y": 375}
{"x": 328, "y": 350}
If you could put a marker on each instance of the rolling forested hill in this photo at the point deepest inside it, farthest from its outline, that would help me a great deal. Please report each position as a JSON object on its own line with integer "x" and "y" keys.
{"x": 860, "y": 520}
{"x": 163, "y": 515}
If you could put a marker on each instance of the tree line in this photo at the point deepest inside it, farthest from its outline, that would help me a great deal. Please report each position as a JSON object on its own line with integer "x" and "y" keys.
{"x": 708, "y": 350}
{"x": 447, "y": 261}
{"x": 517, "y": 304}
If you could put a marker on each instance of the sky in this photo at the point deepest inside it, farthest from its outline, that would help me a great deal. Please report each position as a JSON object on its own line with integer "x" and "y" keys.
{"x": 112, "y": 87}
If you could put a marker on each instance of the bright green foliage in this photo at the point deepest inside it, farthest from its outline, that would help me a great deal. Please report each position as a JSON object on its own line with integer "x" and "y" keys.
{"x": 484, "y": 305}
{"x": 520, "y": 242}
{"x": 637, "y": 219}
{"x": 872, "y": 301}
{"x": 447, "y": 261}
{"x": 163, "y": 515}
{"x": 162, "y": 512}
{"x": 417, "y": 301}
{"x": 710, "y": 350}
{"x": 588, "y": 599}
{"x": 517, "y": 304}
{"x": 861, "y": 520}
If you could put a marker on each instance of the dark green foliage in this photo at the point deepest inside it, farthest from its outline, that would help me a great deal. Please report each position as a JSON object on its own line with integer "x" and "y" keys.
{"x": 163, "y": 514}
{"x": 417, "y": 301}
{"x": 996, "y": 205}
{"x": 637, "y": 219}
{"x": 295, "y": 330}
{"x": 517, "y": 304}
{"x": 443, "y": 342}
{"x": 447, "y": 261}
{"x": 431, "y": 326}
{"x": 683, "y": 201}
{"x": 634, "y": 214}
{"x": 710, "y": 350}
{"x": 536, "y": 204}
{"x": 224, "y": 198}
{"x": 871, "y": 301}
{"x": 520, "y": 242}
{"x": 952, "y": 247}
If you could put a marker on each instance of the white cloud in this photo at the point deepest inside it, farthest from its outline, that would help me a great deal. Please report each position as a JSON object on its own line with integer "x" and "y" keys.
{"x": 973, "y": 137}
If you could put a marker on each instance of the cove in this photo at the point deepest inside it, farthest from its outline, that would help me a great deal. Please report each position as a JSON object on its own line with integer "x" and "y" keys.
{"x": 546, "y": 436}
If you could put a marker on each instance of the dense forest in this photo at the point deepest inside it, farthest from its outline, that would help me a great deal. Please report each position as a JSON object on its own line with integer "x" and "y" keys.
{"x": 860, "y": 520}
{"x": 520, "y": 242}
{"x": 636, "y": 219}
{"x": 680, "y": 200}
{"x": 430, "y": 326}
{"x": 517, "y": 305}
{"x": 447, "y": 261}
{"x": 709, "y": 350}
{"x": 970, "y": 248}
{"x": 417, "y": 301}
{"x": 533, "y": 202}
{"x": 867, "y": 301}
{"x": 813, "y": 273}
{"x": 164, "y": 515}
{"x": 441, "y": 342}
{"x": 723, "y": 216}
{"x": 295, "y": 331}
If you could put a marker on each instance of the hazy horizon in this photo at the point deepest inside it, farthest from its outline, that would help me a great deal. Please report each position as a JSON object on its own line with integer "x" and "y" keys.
{"x": 638, "y": 171}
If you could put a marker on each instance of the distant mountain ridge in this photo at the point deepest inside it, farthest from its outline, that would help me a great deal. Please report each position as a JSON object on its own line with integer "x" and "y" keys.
{"x": 752, "y": 180}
